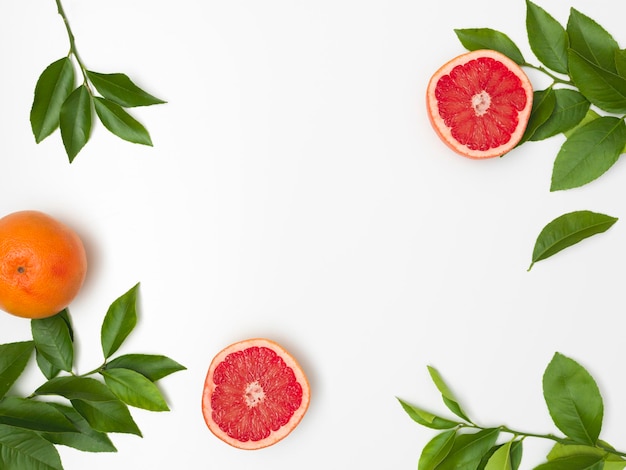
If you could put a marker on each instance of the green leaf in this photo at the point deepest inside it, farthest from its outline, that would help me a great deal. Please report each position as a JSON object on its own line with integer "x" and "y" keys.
{"x": 75, "y": 121}
{"x": 574, "y": 462}
{"x": 436, "y": 450}
{"x": 120, "y": 89}
{"x": 31, "y": 414}
{"x": 620, "y": 62}
{"x": 573, "y": 400}
{"x": 134, "y": 389}
{"x": 425, "y": 418}
{"x": 119, "y": 321}
{"x": 591, "y": 41}
{"x": 588, "y": 153}
{"x": 53, "y": 87}
{"x": 152, "y": 366}
{"x": 448, "y": 397}
{"x": 544, "y": 102}
{"x": 485, "y": 38}
{"x": 13, "y": 360}
{"x": 601, "y": 87}
{"x": 23, "y": 449}
{"x": 85, "y": 439}
{"x": 48, "y": 370}
{"x": 120, "y": 123}
{"x": 567, "y": 230}
{"x": 559, "y": 451}
{"x": 547, "y": 38}
{"x": 570, "y": 109}
{"x": 501, "y": 458}
{"x": 469, "y": 449}
{"x": 517, "y": 450}
{"x": 53, "y": 341}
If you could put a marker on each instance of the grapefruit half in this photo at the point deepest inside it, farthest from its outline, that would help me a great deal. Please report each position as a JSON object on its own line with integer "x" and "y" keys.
{"x": 479, "y": 103}
{"x": 255, "y": 394}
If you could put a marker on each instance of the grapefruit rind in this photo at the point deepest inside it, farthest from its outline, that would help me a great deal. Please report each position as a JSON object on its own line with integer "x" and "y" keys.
{"x": 445, "y": 132}
{"x": 283, "y": 431}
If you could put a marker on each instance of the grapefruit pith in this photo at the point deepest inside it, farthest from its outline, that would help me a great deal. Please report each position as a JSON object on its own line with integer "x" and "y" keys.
{"x": 479, "y": 103}
{"x": 255, "y": 394}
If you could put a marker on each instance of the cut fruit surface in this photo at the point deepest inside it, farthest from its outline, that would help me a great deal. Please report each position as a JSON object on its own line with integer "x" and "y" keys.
{"x": 479, "y": 103}
{"x": 255, "y": 394}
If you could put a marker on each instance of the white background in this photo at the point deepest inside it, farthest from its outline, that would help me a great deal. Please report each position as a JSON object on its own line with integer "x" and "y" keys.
{"x": 296, "y": 191}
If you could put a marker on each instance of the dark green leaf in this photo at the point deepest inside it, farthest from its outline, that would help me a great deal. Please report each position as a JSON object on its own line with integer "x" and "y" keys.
{"x": 436, "y": 450}
{"x": 574, "y": 462}
{"x": 547, "y": 38}
{"x": 152, "y": 366}
{"x": 591, "y": 41}
{"x": 501, "y": 458}
{"x": 485, "y": 38}
{"x": 13, "y": 360}
{"x": 72, "y": 387}
{"x": 23, "y": 449}
{"x": 517, "y": 450}
{"x": 119, "y": 321}
{"x": 567, "y": 230}
{"x": 75, "y": 121}
{"x": 120, "y": 123}
{"x": 620, "y": 62}
{"x": 53, "y": 341}
{"x": 448, "y": 397}
{"x": 570, "y": 109}
{"x": 47, "y": 369}
{"x": 31, "y": 414}
{"x": 85, "y": 439}
{"x": 120, "y": 89}
{"x": 134, "y": 389}
{"x": 53, "y": 87}
{"x": 425, "y": 418}
{"x": 573, "y": 400}
{"x": 469, "y": 449}
{"x": 588, "y": 153}
{"x": 544, "y": 102}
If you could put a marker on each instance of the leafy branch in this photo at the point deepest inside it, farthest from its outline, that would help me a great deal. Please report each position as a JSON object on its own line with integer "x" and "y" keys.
{"x": 575, "y": 406}
{"x": 585, "y": 101}
{"x": 71, "y": 409}
{"x": 59, "y": 102}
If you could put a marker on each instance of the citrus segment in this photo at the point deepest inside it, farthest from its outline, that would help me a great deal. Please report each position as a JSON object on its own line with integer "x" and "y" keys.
{"x": 255, "y": 394}
{"x": 479, "y": 103}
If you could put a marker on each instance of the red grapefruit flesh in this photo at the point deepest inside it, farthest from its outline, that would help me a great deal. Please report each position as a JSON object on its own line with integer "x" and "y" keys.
{"x": 255, "y": 394}
{"x": 479, "y": 103}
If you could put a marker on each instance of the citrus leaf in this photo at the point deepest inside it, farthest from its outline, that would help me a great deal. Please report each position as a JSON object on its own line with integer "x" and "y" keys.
{"x": 53, "y": 341}
{"x": 425, "y": 418}
{"x": 134, "y": 389}
{"x": 588, "y": 153}
{"x": 13, "y": 360}
{"x": 591, "y": 41}
{"x": 23, "y": 449}
{"x": 573, "y": 462}
{"x": 48, "y": 370}
{"x": 75, "y": 121}
{"x": 559, "y": 451}
{"x": 152, "y": 366}
{"x": 53, "y": 87}
{"x": 31, "y": 414}
{"x": 567, "y": 230}
{"x": 501, "y": 458}
{"x": 547, "y": 38}
{"x": 517, "y": 450}
{"x": 436, "y": 450}
{"x": 573, "y": 400}
{"x": 601, "y": 87}
{"x": 448, "y": 397}
{"x": 120, "y": 123}
{"x": 469, "y": 449}
{"x": 119, "y": 321}
{"x": 591, "y": 115}
{"x": 85, "y": 439}
{"x": 485, "y": 38}
{"x": 120, "y": 89}
{"x": 570, "y": 109}
{"x": 620, "y": 62}
{"x": 544, "y": 102}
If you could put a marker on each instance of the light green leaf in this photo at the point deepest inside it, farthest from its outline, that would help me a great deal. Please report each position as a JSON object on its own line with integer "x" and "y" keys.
{"x": 152, "y": 366}
{"x": 485, "y": 38}
{"x": 559, "y": 451}
{"x": 448, "y": 397}
{"x": 469, "y": 449}
{"x": 547, "y": 38}
{"x": 23, "y": 449}
{"x": 120, "y": 123}
{"x": 31, "y": 414}
{"x": 53, "y": 341}
{"x": 570, "y": 109}
{"x": 120, "y": 89}
{"x": 426, "y": 418}
{"x": 75, "y": 121}
{"x": 573, "y": 400}
{"x": 436, "y": 450}
{"x": 591, "y": 41}
{"x": 13, "y": 360}
{"x": 567, "y": 230}
{"x": 119, "y": 321}
{"x": 53, "y": 87}
{"x": 134, "y": 389}
{"x": 501, "y": 458}
{"x": 573, "y": 462}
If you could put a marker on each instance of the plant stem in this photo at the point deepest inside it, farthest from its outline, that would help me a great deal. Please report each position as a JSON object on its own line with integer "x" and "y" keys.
{"x": 70, "y": 34}
{"x": 550, "y": 74}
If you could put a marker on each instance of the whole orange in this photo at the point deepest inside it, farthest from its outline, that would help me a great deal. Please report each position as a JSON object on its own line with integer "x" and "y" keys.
{"x": 42, "y": 264}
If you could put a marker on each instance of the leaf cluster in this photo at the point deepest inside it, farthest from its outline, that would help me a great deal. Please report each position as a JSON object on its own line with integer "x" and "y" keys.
{"x": 575, "y": 405}
{"x": 585, "y": 101}
{"x": 65, "y": 101}
{"x": 77, "y": 411}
